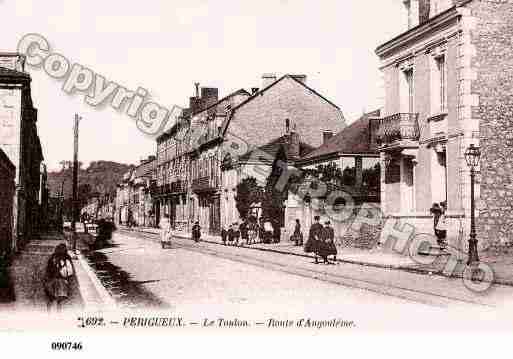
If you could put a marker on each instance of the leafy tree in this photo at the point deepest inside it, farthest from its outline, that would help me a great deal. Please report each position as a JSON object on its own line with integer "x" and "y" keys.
{"x": 248, "y": 191}
{"x": 272, "y": 204}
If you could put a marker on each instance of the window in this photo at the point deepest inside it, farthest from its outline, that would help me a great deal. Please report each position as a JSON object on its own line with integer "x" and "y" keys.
{"x": 439, "y": 85}
{"x": 407, "y": 91}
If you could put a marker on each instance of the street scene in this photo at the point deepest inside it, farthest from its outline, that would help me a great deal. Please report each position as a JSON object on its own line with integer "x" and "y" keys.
{"x": 262, "y": 194}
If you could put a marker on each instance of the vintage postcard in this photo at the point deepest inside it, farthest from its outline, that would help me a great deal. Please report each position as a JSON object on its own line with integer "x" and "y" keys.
{"x": 276, "y": 167}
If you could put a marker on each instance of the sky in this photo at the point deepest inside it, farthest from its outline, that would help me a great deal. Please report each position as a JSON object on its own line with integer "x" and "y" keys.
{"x": 166, "y": 46}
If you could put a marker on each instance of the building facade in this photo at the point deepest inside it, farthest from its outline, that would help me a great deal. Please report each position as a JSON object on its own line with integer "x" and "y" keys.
{"x": 7, "y": 175}
{"x": 191, "y": 186}
{"x": 448, "y": 82}
{"x": 20, "y": 142}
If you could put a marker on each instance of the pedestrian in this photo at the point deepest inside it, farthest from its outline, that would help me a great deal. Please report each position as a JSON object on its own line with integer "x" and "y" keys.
{"x": 297, "y": 235}
{"x": 231, "y": 235}
{"x": 196, "y": 232}
{"x": 314, "y": 238}
{"x": 261, "y": 230}
{"x": 244, "y": 231}
{"x": 236, "y": 233}
{"x": 268, "y": 232}
{"x": 224, "y": 234}
{"x": 329, "y": 237}
{"x": 441, "y": 227}
{"x": 436, "y": 211}
{"x": 165, "y": 231}
{"x": 276, "y": 232}
{"x": 59, "y": 273}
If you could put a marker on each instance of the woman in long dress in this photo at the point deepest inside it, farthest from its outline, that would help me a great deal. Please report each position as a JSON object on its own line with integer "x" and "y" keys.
{"x": 165, "y": 230}
{"x": 313, "y": 242}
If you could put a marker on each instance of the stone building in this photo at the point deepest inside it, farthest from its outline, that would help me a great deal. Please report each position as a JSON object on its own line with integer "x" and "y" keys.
{"x": 190, "y": 183}
{"x": 257, "y": 163}
{"x": 20, "y": 142}
{"x": 285, "y": 105}
{"x": 123, "y": 199}
{"x": 353, "y": 162}
{"x": 448, "y": 82}
{"x": 7, "y": 172}
{"x": 141, "y": 203}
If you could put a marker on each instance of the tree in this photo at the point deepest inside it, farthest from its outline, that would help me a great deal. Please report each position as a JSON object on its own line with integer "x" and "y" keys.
{"x": 273, "y": 199}
{"x": 248, "y": 191}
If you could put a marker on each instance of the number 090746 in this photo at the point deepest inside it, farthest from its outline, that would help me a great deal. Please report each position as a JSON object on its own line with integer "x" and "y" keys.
{"x": 66, "y": 346}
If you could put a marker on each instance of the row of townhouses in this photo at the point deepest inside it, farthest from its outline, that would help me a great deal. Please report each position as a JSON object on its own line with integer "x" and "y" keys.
{"x": 23, "y": 179}
{"x": 448, "y": 82}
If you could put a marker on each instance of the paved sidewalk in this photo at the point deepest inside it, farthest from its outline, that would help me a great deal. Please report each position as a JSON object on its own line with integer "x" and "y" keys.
{"x": 27, "y": 272}
{"x": 451, "y": 265}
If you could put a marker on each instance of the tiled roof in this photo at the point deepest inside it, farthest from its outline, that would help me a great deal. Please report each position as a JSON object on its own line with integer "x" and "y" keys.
{"x": 353, "y": 139}
{"x": 271, "y": 149}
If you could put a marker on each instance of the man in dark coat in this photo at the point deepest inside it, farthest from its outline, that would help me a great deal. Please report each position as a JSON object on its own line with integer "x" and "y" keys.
{"x": 196, "y": 232}
{"x": 314, "y": 238}
{"x": 224, "y": 234}
{"x": 244, "y": 231}
{"x": 329, "y": 237}
{"x": 231, "y": 234}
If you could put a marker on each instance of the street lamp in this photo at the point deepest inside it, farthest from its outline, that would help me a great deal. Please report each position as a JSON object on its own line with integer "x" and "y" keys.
{"x": 472, "y": 155}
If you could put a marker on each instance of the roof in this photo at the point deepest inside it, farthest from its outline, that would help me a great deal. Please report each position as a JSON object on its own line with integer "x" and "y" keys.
{"x": 353, "y": 139}
{"x": 209, "y": 108}
{"x": 261, "y": 91}
{"x": 271, "y": 148}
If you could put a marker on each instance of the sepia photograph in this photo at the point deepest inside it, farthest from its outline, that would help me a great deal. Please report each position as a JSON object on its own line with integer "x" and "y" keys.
{"x": 279, "y": 168}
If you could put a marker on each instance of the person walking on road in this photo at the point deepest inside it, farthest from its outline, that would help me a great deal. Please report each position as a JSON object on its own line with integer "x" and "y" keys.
{"x": 231, "y": 235}
{"x": 244, "y": 232}
{"x": 236, "y": 233}
{"x": 59, "y": 273}
{"x": 165, "y": 230}
{"x": 312, "y": 245}
{"x": 196, "y": 232}
{"x": 297, "y": 235}
{"x": 329, "y": 238}
{"x": 224, "y": 234}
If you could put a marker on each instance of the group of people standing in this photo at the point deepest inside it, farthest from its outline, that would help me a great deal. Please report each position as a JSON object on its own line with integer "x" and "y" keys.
{"x": 236, "y": 234}
{"x": 321, "y": 240}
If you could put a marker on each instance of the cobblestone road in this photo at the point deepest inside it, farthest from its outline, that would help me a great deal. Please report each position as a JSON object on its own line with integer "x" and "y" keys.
{"x": 237, "y": 281}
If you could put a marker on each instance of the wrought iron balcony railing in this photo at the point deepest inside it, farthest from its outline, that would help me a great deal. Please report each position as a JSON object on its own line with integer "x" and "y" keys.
{"x": 396, "y": 128}
{"x": 206, "y": 183}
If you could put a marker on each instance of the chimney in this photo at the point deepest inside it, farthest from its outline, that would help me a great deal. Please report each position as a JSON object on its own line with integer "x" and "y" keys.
{"x": 326, "y": 135}
{"x": 196, "y": 85}
{"x": 254, "y": 90}
{"x": 293, "y": 150}
{"x": 424, "y": 6}
{"x": 194, "y": 104}
{"x": 151, "y": 158}
{"x": 209, "y": 96}
{"x": 301, "y": 78}
{"x": 268, "y": 79}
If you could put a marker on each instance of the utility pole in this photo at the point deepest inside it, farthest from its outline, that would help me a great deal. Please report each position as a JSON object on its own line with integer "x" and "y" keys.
{"x": 74, "y": 211}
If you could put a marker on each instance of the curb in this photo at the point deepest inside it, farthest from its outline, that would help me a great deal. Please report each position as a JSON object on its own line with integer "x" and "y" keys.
{"x": 108, "y": 303}
{"x": 439, "y": 273}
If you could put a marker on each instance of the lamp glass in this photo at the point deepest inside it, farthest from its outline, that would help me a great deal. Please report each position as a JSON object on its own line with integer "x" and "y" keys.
{"x": 472, "y": 155}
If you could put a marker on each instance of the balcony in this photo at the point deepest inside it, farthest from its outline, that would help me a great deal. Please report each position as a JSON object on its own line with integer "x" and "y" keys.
{"x": 178, "y": 187}
{"x": 206, "y": 183}
{"x": 398, "y": 130}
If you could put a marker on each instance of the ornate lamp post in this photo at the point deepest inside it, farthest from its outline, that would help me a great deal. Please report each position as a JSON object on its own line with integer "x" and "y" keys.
{"x": 472, "y": 155}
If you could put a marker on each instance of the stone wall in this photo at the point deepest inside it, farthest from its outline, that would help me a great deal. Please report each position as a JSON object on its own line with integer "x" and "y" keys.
{"x": 492, "y": 37}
